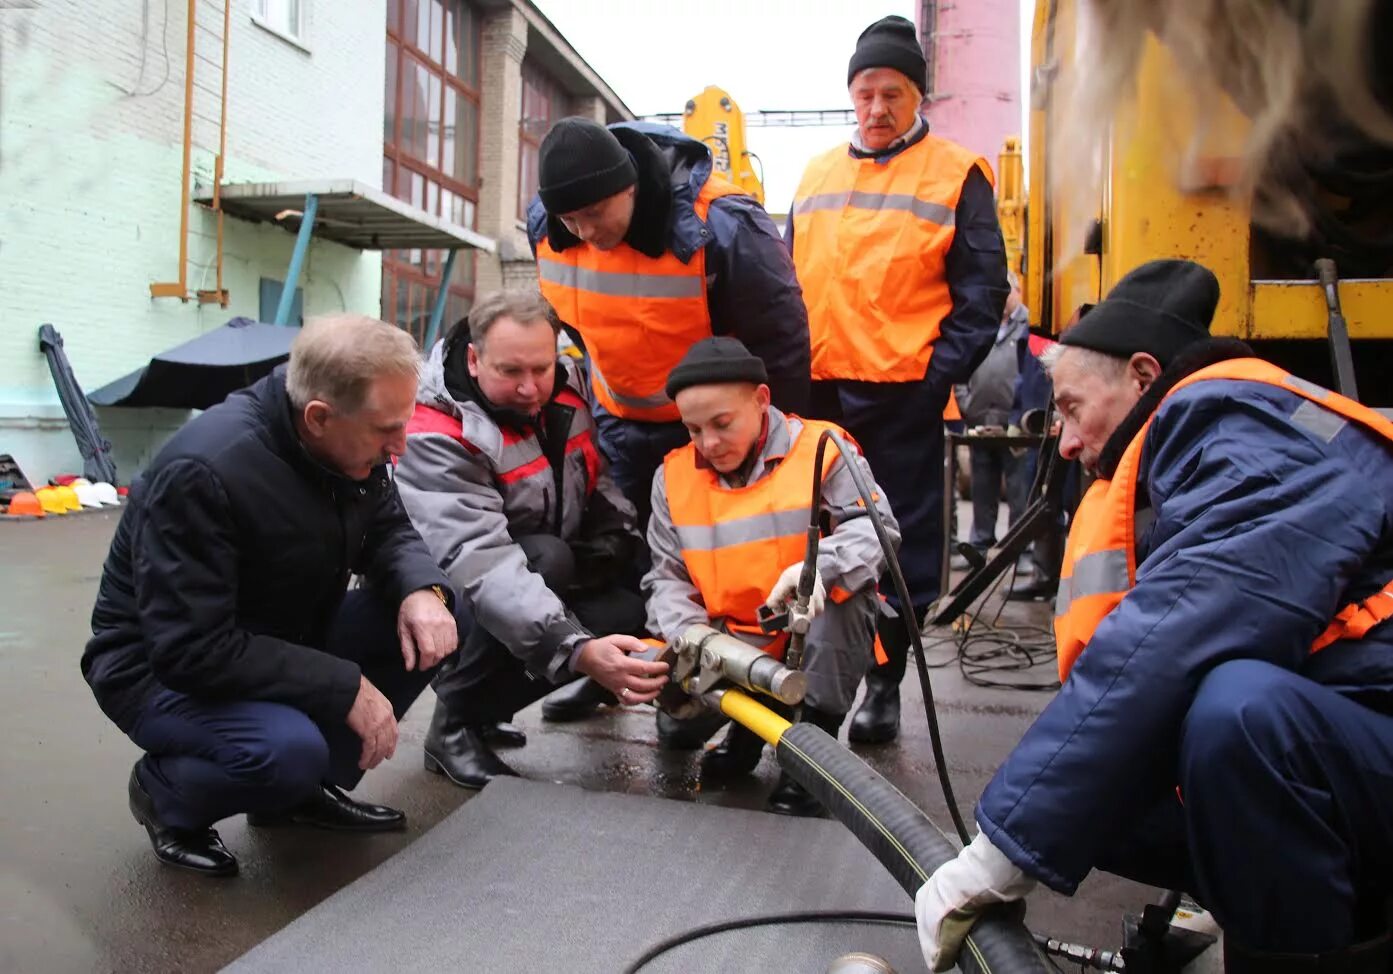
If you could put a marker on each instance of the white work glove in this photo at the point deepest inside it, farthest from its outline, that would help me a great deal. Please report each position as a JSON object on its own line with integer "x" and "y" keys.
{"x": 947, "y": 905}
{"x": 786, "y": 590}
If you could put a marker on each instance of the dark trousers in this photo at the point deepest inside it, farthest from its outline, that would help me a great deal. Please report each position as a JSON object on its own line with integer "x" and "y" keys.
{"x": 993, "y": 465}
{"x": 635, "y": 451}
{"x": 208, "y": 760}
{"x": 485, "y": 683}
{"x": 899, "y": 426}
{"x": 1285, "y": 832}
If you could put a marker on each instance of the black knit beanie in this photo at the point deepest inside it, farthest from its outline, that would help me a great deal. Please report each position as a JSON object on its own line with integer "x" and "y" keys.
{"x": 891, "y": 42}
{"x": 1158, "y": 308}
{"x": 715, "y": 360}
{"x": 581, "y": 162}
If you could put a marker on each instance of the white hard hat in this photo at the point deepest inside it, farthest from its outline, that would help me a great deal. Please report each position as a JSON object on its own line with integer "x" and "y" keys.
{"x": 87, "y": 495}
{"x": 106, "y": 494}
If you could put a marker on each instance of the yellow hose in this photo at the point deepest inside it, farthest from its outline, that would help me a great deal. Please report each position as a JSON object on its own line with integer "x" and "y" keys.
{"x": 754, "y": 716}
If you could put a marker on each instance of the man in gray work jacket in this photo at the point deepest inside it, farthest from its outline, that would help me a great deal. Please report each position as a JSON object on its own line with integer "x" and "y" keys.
{"x": 505, "y": 482}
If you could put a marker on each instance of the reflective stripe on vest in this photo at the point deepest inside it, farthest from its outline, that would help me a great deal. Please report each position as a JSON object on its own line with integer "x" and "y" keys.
{"x": 736, "y": 541}
{"x": 869, "y": 245}
{"x": 1100, "y": 556}
{"x": 638, "y": 315}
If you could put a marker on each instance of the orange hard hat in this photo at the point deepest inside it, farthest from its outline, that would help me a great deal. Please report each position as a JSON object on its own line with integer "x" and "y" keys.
{"x": 26, "y": 503}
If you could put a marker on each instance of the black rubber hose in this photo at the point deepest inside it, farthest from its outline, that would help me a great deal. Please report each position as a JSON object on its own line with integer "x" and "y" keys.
{"x": 849, "y": 457}
{"x": 905, "y": 842}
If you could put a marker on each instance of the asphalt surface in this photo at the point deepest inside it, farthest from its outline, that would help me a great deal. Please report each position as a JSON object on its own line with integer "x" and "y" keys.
{"x": 80, "y": 890}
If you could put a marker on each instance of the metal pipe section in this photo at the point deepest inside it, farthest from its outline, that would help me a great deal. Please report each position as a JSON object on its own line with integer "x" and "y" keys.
{"x": 180, "y": 289}
{"x": 746, "y": 666}
{"x": 297, "y": 259}
{"x": 442, "y": 296}
{"x": 749, "y": 713}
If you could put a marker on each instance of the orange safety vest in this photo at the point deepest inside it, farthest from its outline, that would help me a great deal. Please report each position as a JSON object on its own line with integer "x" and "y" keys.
{"x": 736, "y": 541}
{"x": 637, "y": 314}
{"x": 869, "y": 243}
{"x": 1100, "y": 558}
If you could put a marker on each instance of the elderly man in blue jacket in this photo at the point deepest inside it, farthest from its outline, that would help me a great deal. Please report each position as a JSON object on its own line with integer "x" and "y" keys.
{"x": 1226, "y": 721}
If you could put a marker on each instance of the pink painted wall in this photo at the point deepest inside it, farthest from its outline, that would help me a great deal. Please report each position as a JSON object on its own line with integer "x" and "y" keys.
{"x": 976, "y": 87}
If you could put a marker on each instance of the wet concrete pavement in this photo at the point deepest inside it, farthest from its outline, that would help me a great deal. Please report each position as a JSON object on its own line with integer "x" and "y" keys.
{"x": 80, "y": 891}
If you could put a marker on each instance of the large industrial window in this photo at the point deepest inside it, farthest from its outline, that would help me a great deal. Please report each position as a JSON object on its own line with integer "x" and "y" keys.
{"x": 430, "y": 147}
{"x": 543, "y": 103}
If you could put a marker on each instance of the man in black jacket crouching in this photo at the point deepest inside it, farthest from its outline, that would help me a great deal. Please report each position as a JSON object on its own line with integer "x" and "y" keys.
{"x": 225, "y": 642}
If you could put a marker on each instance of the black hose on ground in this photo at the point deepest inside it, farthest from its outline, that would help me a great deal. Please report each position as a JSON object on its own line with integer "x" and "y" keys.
{"x": 905, "y": 842}
{"x": 892, "y": 564}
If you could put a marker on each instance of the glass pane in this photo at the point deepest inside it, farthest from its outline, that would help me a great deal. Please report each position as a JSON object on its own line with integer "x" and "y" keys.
{"x": 437, "y": 28}
{"x": 387, "y": 172}
{"x": 394, "y": 15}
{"x": 448, "y": 139}
{"x": 466, "y": 168}
{"x": 457, "y": 211}
{"x": 465, "y": 269}
{"x": 407, "y": 24}
{"x": 432, "y": 155}
{"x": 403, "y": 318}
{"x": 451, "y": 38}
{"x": 432, "y": 198}
{"x": 468, "y": 70}
{"x": 415, "y": 103}
{"x": 527, "y": 177}
{"x": 467, "y": 216}
{"x": 447, "y": 203}
{"x": 389, "y": 118}
{"x": 418, "y": 191}
{"x": 423, "y": 25}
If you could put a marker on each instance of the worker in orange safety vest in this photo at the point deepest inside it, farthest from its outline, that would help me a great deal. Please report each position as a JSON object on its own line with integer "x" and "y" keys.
{"x": 728, "y": 535}
{"x": 903, "y": 268}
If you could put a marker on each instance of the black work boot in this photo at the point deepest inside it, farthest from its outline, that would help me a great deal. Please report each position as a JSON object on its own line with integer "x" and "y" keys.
{"x": 456, "y": 749}
{"x": 788, "y": 796}
{"x": 196, "y": 850}
{"x": 577, "y": 700}
{"x": 504, "y": 734}
{"x": 878, "y": 720}
{"x": 737, "y": 754}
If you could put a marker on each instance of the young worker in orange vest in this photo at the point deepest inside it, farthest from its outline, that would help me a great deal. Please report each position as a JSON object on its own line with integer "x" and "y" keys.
{"x": 1222, "y": 625}
{"x": 899, "y": 253}
{"x": 729, "y": 531}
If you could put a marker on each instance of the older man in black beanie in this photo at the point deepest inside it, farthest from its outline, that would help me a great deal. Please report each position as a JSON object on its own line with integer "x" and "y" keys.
{"x": 728, "y": 535}
{"x": 1222, "y": 626}
{"x": 903, "y": 269}
{"x": 644, "y": 252}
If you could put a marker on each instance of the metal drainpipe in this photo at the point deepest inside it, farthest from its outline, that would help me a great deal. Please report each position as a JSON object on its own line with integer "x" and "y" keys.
{"x": 219, "y": 166}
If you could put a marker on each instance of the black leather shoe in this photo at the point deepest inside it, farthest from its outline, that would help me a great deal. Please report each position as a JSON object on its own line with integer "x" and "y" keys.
{"x": 458, "y": 751}
{"x": 737, "y": 754}
{"x": 332, "y": 809}
{"x": 791, "y": 798}
{"x": 196, "y": 850}
{"x": 878, "y": 720}
{"x": 504, "y": 734}
{"x": 576, "y": 701}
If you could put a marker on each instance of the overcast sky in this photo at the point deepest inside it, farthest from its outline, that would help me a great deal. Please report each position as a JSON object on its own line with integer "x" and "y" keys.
{"x": 768, "y": 54}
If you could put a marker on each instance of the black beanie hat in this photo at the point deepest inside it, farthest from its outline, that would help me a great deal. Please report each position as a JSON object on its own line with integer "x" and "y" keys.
{"x": 580, "y": 163}
{"x": 713, "y": 360}
{"x": 891, "y": 42}
{"x": 1159, "y": 308}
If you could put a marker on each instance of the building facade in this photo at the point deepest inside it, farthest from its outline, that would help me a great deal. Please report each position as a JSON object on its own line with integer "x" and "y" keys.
{"x": 438, "y": 102}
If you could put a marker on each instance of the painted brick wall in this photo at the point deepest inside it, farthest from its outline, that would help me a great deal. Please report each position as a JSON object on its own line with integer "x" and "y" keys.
{"x": 90, "y": 157}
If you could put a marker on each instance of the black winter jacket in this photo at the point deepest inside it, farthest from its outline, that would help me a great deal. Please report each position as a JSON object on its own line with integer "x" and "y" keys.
{"x": 231, "y": 559}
